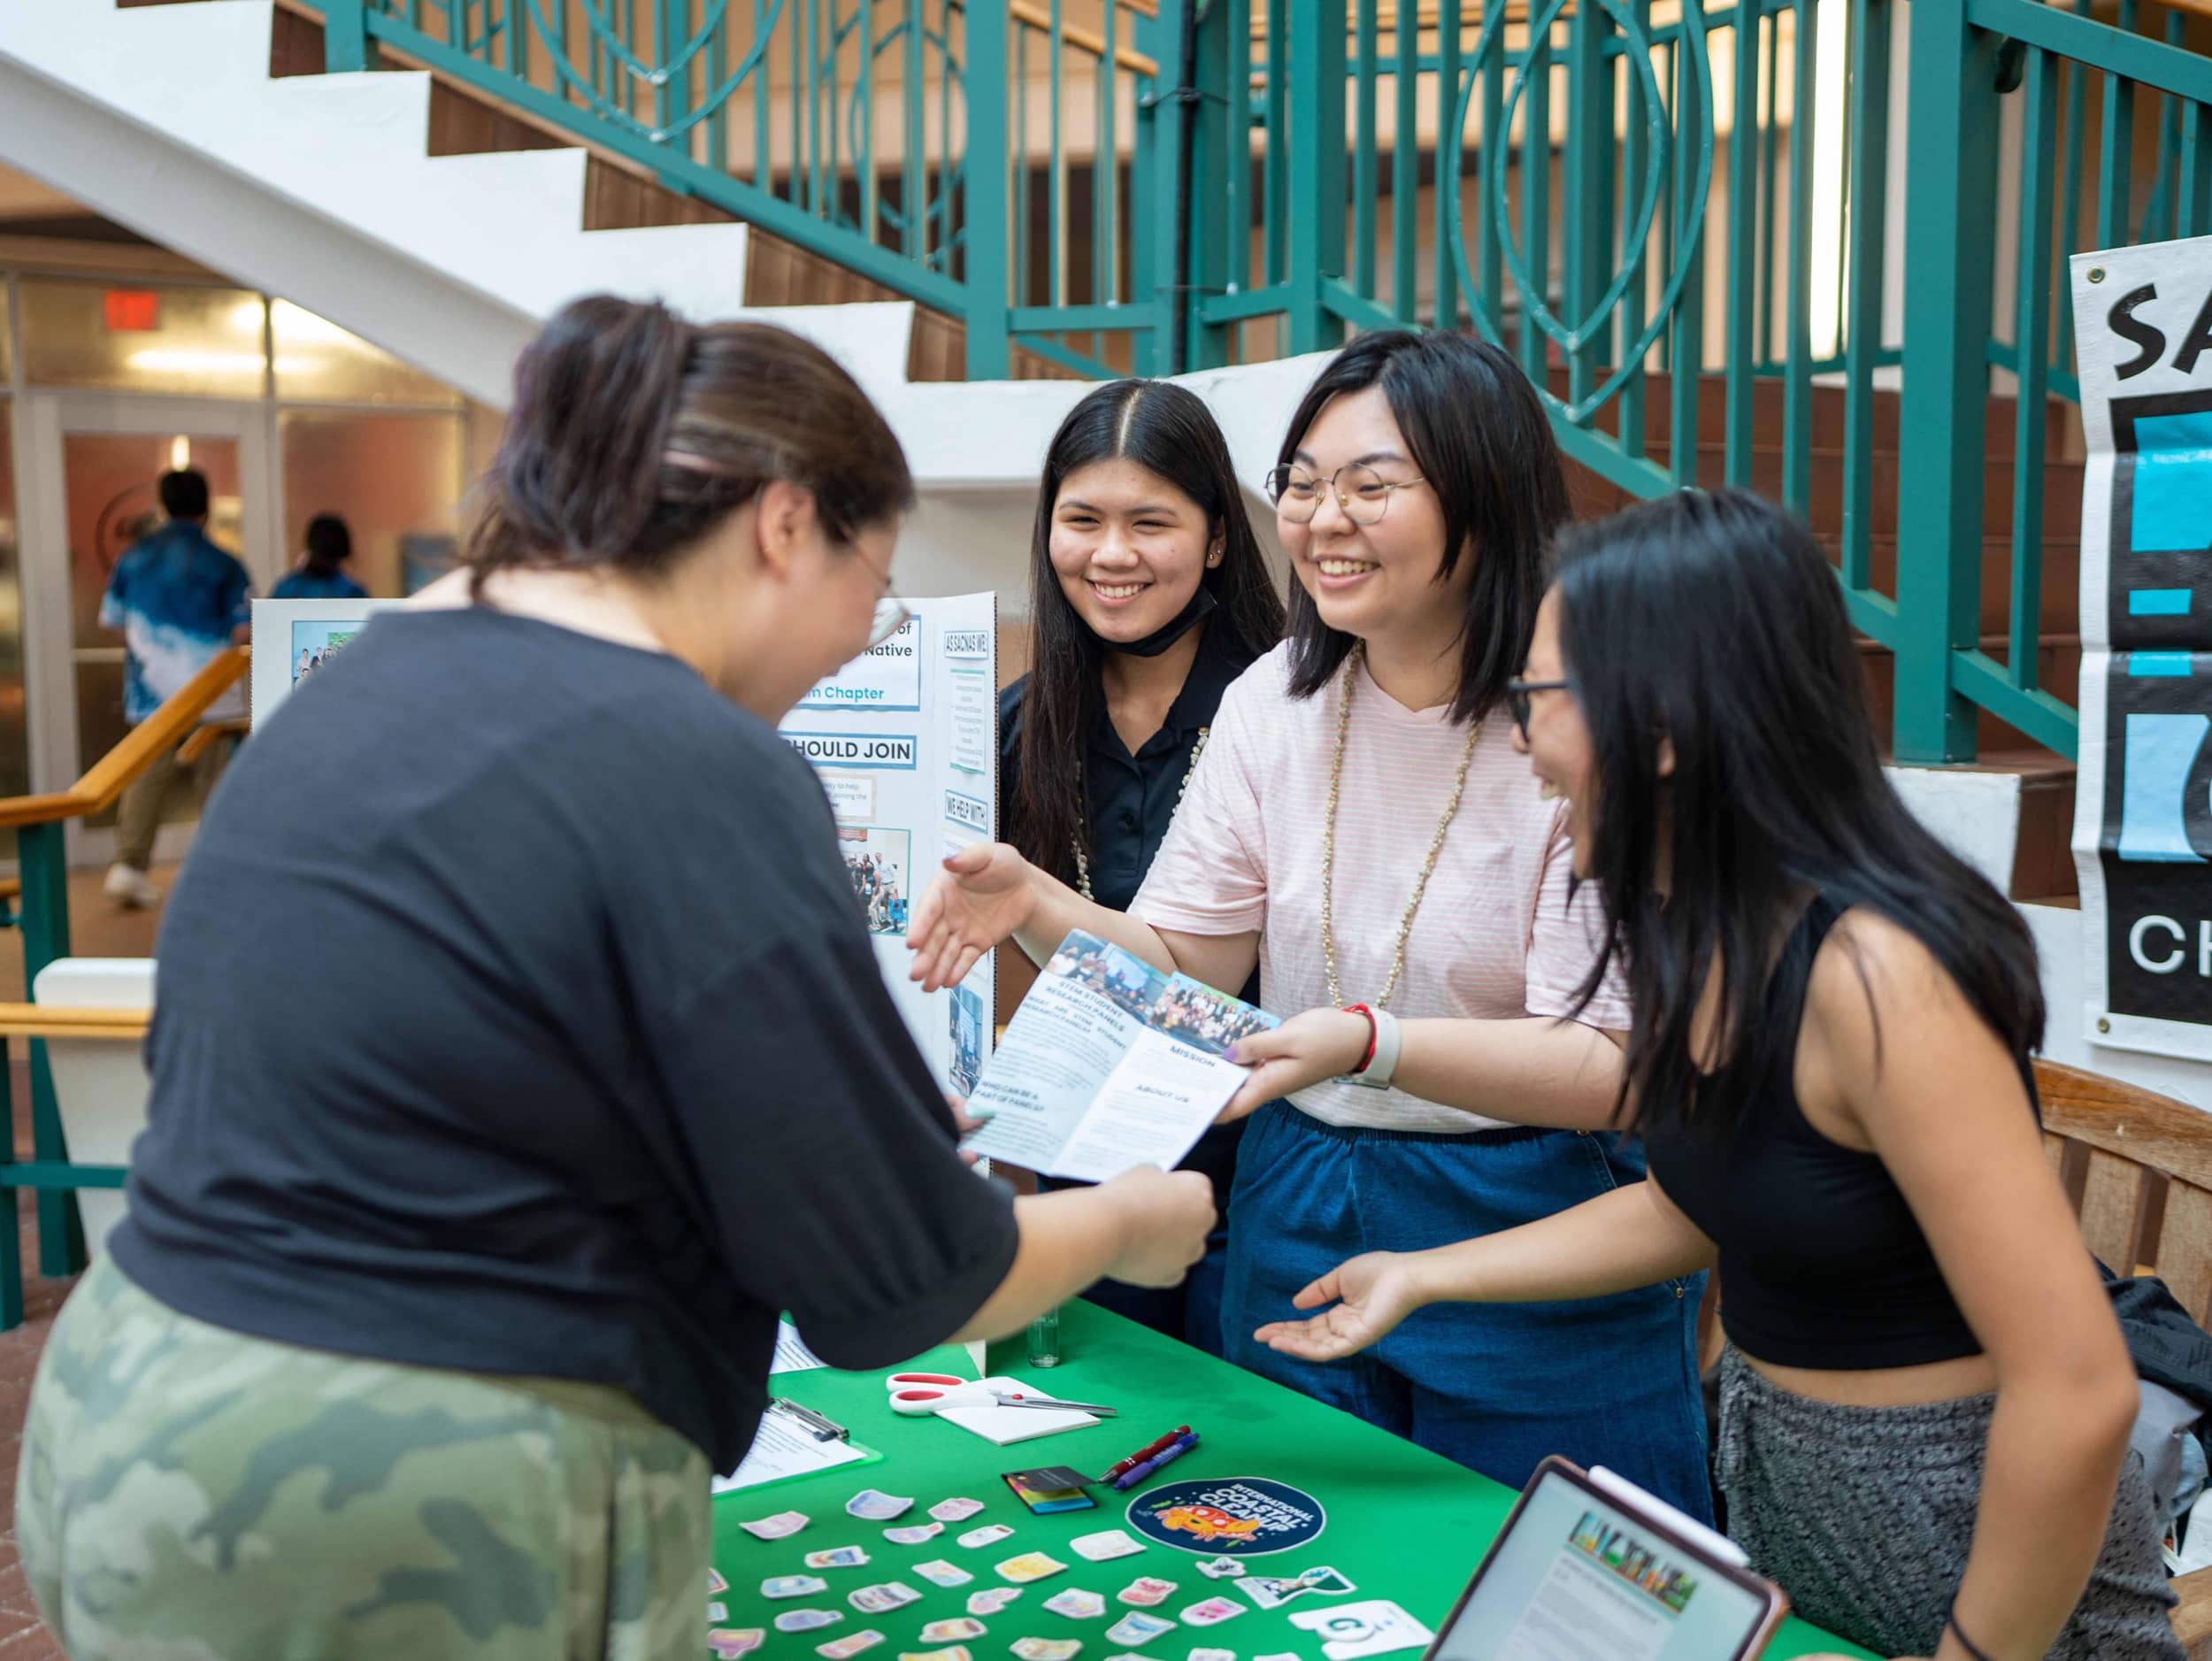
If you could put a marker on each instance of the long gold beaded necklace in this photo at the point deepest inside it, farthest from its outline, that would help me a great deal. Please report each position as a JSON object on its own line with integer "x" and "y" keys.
{"x": 1352, "y": 666}
{"x": 1083, "y": 865}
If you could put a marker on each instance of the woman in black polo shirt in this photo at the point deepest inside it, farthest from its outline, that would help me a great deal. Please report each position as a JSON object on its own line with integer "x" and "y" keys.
{"x": 1148, "y": 594}
{"x": 521, "y": 1052}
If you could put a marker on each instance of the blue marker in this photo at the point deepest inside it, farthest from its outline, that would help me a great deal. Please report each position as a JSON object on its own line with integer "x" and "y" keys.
{"x": 1173, "y": 1452}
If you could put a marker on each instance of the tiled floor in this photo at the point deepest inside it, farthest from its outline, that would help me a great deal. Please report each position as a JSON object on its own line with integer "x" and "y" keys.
{"x": 98, "y": 930}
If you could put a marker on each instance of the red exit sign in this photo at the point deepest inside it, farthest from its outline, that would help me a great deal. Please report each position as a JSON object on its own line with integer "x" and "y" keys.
{"x": 133, "y": 311}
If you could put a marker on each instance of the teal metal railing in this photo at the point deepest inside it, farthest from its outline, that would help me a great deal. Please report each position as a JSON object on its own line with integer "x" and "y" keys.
{"x": 1683, "y": 215}
{"x": 988, "y": 158}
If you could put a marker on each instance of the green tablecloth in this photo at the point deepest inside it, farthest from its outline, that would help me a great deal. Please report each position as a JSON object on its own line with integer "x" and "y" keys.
{"x": 1403, "y": 1523}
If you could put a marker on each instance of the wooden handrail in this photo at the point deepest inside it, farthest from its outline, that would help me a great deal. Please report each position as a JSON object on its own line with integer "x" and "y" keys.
{"x": 204, "y": 737}
{"x": 43, "y": 1021}
{"x": 1037, "y": 17}
{"x": 143, "y": 745}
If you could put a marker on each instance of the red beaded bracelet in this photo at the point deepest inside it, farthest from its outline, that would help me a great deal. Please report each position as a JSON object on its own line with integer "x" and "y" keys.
{"x": 1374, "y": 1035}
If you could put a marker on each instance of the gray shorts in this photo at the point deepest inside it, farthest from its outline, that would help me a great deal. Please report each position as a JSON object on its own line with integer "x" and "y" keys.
{"x": 1864, "y": 1516}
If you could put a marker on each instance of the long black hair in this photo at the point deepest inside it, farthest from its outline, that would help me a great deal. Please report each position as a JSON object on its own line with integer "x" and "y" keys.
{"x": 1164, "y": 429}
{"x": 1714, "y": 621}
{"x": 1478, "y": 434}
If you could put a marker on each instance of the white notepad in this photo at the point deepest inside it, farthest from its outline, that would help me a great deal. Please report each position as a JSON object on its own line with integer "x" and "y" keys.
{"x": 1008, "y": 1424}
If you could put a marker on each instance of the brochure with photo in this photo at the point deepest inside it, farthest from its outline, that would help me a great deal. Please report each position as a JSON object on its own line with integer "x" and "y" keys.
{"x": 1109, "y": 1063}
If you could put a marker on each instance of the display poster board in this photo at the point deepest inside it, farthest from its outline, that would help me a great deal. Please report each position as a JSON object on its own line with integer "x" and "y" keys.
{"x": 2143, "y": 815}
{"x": 294, "y": 638}
{"x": 905, "y": 739}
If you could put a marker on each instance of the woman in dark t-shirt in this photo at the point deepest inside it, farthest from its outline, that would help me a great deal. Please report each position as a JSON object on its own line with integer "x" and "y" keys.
{"x": 1148, "y": 594}
{"x": 520, "y": 1053}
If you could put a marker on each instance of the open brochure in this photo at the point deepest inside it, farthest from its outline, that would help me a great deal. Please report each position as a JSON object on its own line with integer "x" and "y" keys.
{"x": 1108, "y": 1064}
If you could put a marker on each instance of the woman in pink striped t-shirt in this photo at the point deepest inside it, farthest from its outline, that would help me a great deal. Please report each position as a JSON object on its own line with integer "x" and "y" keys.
{"x": 1360, "y": 829}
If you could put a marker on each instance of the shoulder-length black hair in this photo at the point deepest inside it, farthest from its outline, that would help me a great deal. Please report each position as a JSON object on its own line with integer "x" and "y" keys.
{"x": 1168, "y": 430}
{"x": 1478, "y": 434}
{"x": 1715, "y": 622}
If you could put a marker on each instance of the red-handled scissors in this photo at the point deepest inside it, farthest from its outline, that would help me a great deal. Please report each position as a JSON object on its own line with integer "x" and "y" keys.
{"x": 917, "y": 1394}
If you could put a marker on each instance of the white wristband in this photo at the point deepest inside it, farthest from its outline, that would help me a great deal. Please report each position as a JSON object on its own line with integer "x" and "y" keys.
{"x": 1389, "y": 1037}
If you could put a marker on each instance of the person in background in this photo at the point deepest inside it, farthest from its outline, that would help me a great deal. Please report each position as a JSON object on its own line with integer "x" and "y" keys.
{"x": 320, "y": 574}
{"x": 453, "y": 1257}
{"x": 1148, "y": 594}
{"x": 1926, "y": 1401}
{"x": 178, "y": 600}
{"x": 1360, "y": 829}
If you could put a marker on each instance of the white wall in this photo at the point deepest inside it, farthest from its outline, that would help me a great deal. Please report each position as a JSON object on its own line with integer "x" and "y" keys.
{"x": 1978, "y": 815}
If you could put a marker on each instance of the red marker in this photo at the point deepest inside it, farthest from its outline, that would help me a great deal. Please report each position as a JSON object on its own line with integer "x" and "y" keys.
{"x": 1145, "y": 1452}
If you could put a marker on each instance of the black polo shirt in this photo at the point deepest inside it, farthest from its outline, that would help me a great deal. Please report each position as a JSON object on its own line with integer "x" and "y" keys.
{"x": 1133, "y": 800}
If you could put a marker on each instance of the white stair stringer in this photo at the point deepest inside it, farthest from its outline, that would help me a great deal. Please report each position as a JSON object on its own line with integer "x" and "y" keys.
{"x": 320, "y": 188}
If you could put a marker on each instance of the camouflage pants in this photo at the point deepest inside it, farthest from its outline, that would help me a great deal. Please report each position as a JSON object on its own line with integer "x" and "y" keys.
{"x": 191, "y": 1494}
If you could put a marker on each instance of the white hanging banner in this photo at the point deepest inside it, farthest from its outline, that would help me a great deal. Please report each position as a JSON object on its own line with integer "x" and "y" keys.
{"x": 2143, "y": 813}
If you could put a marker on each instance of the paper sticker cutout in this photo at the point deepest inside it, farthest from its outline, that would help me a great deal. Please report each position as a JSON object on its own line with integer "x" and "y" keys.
{"x": 880, "y": 1600}
{"x": 1270, "y": 1591}
{"x": 716, "y": 1613}
{"x": 807, "y": 1620}
{"x": 1106, "y": 1545}
{"x": 1212, "y": 1655}
{"x": 730, "y": 1643}
{"x": 1077, "y": 1606}
{"x": 1031, "y": 1566}
{"x": 1147, "y": 1592}
{"x": 837, "y": 1558}
{"x": 919, "y": 1534}
{"x": 954, "y": 1511}
{"x": 959, "y": 1629}
{"x": 1213, "y": 1611}
{"x": 1137, "y": 1628}
{"x": 873, "y": 1505}
{"x": 1047, "y": 1649}
{"x": 792, "y": 1586}
{"x": 850, "y": 1645}
{"x": 989, "y": 1535}
{"x": 937, "y": 1572}
{"x": 776, "y": 1527}
{"x": 992, "y": 1599}
{"x": 958, "y": 1652}
{"x": 1352, "y": 1631}
{"x": 715, "y": 1583}
{"x": 1244, "y": 1516}
{"x": 1222, "y": 1569}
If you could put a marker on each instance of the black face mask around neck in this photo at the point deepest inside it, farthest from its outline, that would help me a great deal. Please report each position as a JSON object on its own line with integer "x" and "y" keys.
{"x": 1160, "y": 639}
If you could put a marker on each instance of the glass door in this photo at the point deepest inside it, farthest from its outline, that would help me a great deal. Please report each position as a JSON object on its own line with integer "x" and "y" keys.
{"x": 98, "y": 459}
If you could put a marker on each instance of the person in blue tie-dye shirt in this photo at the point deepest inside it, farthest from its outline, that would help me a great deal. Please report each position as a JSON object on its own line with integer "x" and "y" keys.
{"x": 178, "y": 600}
{"x": 319, "y": 576}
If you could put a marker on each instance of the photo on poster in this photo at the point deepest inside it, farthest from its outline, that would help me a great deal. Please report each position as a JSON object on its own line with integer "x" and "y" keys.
{"x": 316, "y": 642}
{"x": 967, "y": 1040}
{"x": 878, "y": 862}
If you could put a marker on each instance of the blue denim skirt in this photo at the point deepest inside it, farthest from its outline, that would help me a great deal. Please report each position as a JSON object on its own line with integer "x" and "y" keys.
{"x": 1497, "y": 1387}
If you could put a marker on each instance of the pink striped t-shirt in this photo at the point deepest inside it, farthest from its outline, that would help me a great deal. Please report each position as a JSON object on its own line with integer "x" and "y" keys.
{"x": 1494, "y": 936}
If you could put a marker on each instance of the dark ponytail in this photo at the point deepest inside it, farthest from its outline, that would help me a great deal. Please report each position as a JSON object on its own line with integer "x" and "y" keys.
{"x": 634, "y": 433}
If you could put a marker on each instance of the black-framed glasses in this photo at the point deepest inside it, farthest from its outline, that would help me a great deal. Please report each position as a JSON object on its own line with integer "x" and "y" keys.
{"x": 1359, "y": 491}
{"x": 1517, "y": 693}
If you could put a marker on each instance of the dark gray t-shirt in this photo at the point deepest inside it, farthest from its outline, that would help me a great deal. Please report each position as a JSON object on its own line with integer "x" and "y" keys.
{"x": 516, "y": 1015}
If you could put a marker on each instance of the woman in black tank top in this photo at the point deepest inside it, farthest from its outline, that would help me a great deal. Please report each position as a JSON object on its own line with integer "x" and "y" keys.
{"x": 1926, "y": 1402}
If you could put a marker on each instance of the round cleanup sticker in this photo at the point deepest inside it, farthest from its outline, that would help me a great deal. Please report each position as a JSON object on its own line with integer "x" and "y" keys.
{"x": 1244, "y": 1516}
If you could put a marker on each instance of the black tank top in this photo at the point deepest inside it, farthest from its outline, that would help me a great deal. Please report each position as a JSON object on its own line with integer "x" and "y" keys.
{"x": 1822, "y": 1263}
